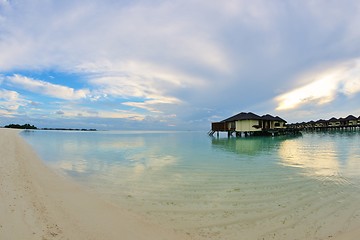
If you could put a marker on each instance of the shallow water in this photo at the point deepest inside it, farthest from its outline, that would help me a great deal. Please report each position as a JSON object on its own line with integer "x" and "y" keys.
{"x": 303, "y": 187}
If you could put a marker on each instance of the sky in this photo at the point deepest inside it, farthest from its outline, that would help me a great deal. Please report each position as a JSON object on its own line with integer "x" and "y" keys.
{"x": 176, "y": 65}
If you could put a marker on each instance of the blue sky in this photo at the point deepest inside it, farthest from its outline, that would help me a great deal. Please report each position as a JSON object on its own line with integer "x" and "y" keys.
{"x": 176, "y": 64}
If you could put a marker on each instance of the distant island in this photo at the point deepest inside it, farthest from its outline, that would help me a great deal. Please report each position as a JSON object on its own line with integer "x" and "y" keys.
{"x": 28, "y": 126}
{"x": 70, "y": 129}
{"x": 18, "y": 126}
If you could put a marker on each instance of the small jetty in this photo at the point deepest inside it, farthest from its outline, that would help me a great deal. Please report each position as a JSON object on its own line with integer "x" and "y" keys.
{"x": 251, "y": 124}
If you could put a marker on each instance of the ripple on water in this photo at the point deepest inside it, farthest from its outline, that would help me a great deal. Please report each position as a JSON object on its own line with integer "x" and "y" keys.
{"x": 256, "y": 188}
{"x": 230, "y": 205}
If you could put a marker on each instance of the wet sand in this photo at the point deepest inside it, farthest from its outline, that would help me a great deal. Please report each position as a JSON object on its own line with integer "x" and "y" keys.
{"x": 36, "y": 203}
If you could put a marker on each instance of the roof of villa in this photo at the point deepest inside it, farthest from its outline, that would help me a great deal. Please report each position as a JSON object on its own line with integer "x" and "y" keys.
{"x": 333, "y": 120}
{"x": 253, "y": 116}
{"x": 279, "y": 119}
{"x": 350, "y": 117}
{"x": 342, "y": 119}
{"x": 243, "y": 116}
{"x": 272, "y": 118}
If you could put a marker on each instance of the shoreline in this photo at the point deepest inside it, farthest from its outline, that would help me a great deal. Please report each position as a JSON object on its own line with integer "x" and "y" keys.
{"x": 36, "y": 203}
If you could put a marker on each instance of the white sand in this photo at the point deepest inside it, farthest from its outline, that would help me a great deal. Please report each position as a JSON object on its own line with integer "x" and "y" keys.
{"x": 35, "y": 203}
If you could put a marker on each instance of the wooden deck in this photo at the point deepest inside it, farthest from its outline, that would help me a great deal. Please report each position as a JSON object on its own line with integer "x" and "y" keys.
{"x": 329, "y": 128}
{"x": 264, "y": 132}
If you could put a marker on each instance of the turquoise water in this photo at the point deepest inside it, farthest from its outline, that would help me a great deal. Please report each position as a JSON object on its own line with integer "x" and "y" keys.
{"x": 218, "y": 188}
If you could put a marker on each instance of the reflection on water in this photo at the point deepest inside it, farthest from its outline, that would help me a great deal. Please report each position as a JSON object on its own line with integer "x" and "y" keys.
{"x": 315, "y": 160}
{"x": 106, "y": 154}
{"x": 334, "y": 154}
{"x": 249, "y": 145}
{"x": 222, "y": 188}
{"x": 323, "y": 155}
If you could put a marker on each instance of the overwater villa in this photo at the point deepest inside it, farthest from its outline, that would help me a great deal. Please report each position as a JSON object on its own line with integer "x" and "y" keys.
{"x": 349, "y": 123}
{"x": 249, "y": 124}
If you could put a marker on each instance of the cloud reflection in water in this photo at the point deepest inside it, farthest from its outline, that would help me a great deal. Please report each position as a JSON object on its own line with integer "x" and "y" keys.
{"x": 314, "y": 160}
{"x": 323, "y": 156}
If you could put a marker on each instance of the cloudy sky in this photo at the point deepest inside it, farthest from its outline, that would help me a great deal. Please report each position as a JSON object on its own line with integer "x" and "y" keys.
{"x": 177, "y": 64}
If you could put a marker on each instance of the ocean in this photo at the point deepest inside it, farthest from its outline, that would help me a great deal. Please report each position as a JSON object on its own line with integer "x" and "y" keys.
{"x": 303, "y": 187}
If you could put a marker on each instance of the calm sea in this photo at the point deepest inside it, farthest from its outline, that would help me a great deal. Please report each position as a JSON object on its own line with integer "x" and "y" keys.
{"x": 304, "y": 187}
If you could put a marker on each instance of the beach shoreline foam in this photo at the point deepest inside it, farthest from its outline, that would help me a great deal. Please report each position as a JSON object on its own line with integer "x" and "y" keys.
{"x": 36, "y": 203}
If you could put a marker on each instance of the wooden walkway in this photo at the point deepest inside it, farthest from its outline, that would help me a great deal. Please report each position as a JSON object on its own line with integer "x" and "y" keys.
{"x": 288, "y": 131}
{"x": 267, "y": 132}
{"x": 329, "y": 128}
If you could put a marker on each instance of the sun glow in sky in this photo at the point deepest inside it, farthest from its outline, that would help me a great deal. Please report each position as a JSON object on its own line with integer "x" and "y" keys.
{"x": 176, "y": 64}
{"x": 324, "y": 87}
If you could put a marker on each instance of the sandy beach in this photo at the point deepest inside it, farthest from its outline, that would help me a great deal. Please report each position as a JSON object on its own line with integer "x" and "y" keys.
{"x": 35, "y": 203}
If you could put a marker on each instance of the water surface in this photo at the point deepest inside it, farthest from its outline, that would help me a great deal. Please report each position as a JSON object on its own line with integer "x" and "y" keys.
{"x": 303, "y": 187}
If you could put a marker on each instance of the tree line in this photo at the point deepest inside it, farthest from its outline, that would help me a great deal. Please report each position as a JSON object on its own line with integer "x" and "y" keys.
{"x": 18, "y": 126}
{"x": 28, "y": 126}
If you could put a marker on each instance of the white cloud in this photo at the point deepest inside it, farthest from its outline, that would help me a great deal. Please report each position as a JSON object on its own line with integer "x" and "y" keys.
{"x": 78, "y": 111}
{"x": 152, "y": 83}
{"x": 164, "y": 56}
{"x": 152, "y": 105}
{"x": 122, "y": 114}
{"x": 46, "y": 88}
{"x": 351, "y": 78}
{"x": 324, "y": 86}
{"x": 42, "y": 37}
{"x": 10, "y": 101}
{"x": 116, "y": 113}
{"x": 149, "y": 71}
